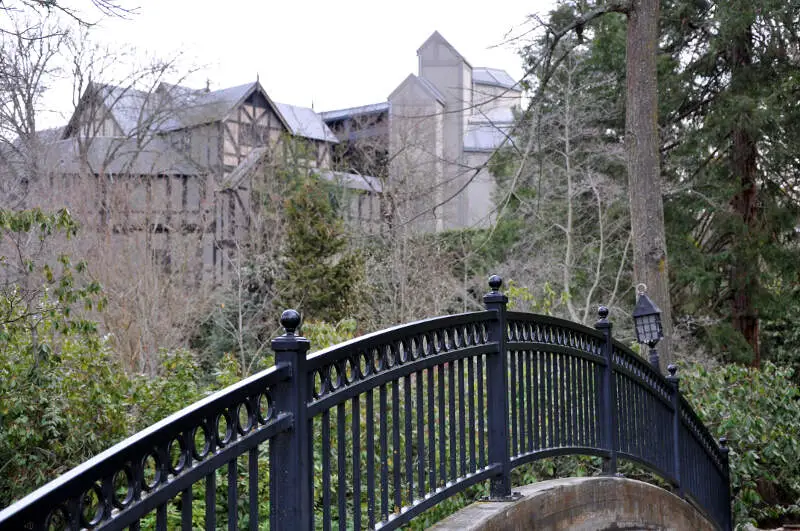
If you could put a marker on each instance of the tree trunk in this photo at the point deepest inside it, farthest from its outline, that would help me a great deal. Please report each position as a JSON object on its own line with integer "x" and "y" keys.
{"x": 744, "y": 273}
{"x": 644, "y": 174}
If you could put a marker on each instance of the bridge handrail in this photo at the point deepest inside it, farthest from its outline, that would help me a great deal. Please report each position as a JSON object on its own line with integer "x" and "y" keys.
{"x": 374, "y": 431}
{"x": 128, "y": 458}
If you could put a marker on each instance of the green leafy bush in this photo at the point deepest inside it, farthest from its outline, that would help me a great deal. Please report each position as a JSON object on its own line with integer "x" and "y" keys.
{"x": 759, "y": 412}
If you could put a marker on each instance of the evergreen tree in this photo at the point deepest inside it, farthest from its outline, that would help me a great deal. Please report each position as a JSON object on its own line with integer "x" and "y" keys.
{"x": 732, "y": 160}
{"x": 728, "y": 87}
{"x": 322, "y": 276}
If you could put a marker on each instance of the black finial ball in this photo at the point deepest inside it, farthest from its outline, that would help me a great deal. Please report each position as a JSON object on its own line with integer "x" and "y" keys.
{"x": 672, "y": 369}
{"x": 495, "y": 282}
{"x": 602, "y": 311}
{"x": 290, "y": 321}
{"x": 723, "y": 442}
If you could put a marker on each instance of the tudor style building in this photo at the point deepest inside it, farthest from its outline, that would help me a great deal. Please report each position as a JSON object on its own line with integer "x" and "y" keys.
{"x": 177, "y": 168}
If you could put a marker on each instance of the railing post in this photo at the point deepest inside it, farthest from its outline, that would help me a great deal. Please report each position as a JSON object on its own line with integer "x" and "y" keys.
{"x": 674, "y": 382}
{"x": 291, "y": 459}
{"x": 497, "y": 392}
{"x": 608, "y": 406}
{"x": 723, "y": 443}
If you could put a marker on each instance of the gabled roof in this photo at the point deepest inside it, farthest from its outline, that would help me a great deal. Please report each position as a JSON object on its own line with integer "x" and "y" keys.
{"x": 119, "y": 155}
{"x": 305, "y": 122}
{"x": 422, "y": 83}
{"x": 198, "y": 107}
{"x": 351, "y": 112}
{"x": 494, "y": 77}
{"x": 432, "y": 89}
{"x": 437, "y": 37}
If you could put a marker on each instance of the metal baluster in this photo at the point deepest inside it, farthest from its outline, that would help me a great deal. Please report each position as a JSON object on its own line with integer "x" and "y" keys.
{"x": 186, "y": 495}
{"x": 441, "y": 417}
{"x": 161, "y": 517}
{"x": 420, "y": 435}
{"x": 726, "y": 490}
{"x": 568, "y": 399}
{"x": 651, "y": 444}
{"x": 451, "y": 415}
{"x": 520, "y": 384}
{"x": 211, "y": 501}
{"x": 233, "y": 495}
{"x": 252, "y": 478}
{"x": 396, "y": 466}
{"x": 370, "y": 440}
{"x": 408, "y": 423}
{"x": 627, "y": 412}
{"x": 356, "y": 436}
{"x": 583, "y": 406}
{"x": 481, "y": 414}
{"x": 513, "y": 404}
{"x": 384, "y": 444}
{"x": 578, "y": 402}
{"x": 588, "y": 399}
{"x": 674, "y": 383}
{"x": 462, "y": 422}
{"x": 641, "y": 426}
{"x": 558, "y": 360}
{"x": 550, "y": 411}
{"x": 529, "y": 383}
{"x": 471, "y": 403}
{"x": 326, "y": 470}
{"x": 538, "y": 443}
{"x": 431, "y": 431}
{"x": 341, "y": 461}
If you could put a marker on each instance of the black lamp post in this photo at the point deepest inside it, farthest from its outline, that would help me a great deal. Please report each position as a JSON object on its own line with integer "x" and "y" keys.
{"x": 647, "y": 320}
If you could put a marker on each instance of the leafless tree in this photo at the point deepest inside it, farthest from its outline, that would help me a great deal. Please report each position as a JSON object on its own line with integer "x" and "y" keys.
{"x": 108, "y": 8}
{"x": 577, "y": 233}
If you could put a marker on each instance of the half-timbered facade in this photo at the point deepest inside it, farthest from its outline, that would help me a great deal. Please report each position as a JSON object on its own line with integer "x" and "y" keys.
{"x": 178, "y": 167}
{"x": 179, "y": 164}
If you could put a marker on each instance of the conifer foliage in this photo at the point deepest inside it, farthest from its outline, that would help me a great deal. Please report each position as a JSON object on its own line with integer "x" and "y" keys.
{"x": 321, "y": 274}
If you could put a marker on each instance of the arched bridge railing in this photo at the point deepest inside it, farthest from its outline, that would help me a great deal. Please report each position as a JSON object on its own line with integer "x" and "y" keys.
{"x": 372, "y": 432}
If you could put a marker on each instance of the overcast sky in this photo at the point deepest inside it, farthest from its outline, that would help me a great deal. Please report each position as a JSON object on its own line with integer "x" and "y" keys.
{"x": 331, "y": 54}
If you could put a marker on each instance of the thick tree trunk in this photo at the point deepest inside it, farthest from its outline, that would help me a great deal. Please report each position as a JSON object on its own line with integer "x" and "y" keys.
{"x": 744, "y": 273}
{"x": 644, "y": 174}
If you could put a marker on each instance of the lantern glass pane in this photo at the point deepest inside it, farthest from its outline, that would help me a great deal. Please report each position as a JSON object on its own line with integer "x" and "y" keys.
{"x": 648, "y": 328}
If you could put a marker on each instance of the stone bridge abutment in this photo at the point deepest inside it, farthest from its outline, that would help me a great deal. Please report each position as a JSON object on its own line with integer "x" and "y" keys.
{"x": 582, "y": 504}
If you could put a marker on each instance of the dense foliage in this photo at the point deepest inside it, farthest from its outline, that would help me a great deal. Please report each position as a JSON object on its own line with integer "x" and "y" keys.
{"x": 759, "y": 412}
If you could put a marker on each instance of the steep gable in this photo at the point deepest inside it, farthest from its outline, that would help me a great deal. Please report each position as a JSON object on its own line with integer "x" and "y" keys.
{"x": 417, "y": 85}
{"x": 437, "y": 48}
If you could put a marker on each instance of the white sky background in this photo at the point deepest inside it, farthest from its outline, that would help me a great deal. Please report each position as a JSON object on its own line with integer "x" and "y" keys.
{"x": 333, "y": 54}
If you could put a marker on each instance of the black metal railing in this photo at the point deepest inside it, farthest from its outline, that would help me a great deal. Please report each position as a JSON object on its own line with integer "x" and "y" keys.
{"x": 372, "y": 432}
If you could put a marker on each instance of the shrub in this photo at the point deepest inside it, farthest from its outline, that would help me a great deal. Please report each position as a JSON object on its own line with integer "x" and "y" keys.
{"x": 759, "y": 412}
